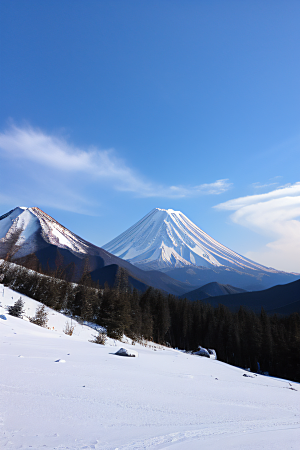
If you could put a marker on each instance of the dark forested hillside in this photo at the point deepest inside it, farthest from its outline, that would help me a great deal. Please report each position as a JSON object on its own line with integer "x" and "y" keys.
{"x": 242, "y": 338}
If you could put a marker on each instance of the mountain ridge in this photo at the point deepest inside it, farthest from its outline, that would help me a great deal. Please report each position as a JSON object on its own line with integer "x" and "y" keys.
{"x": 212, "y": 289}
{"x": 32, "y": 238}
{"x": 32, "y": 232}
{"x": 282, "y": 299}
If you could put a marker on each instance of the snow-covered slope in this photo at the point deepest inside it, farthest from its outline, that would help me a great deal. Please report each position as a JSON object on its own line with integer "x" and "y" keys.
{"x": 57, "y": 322}
{"x": 164, "y": 399}
{"x": 167, "y": 238}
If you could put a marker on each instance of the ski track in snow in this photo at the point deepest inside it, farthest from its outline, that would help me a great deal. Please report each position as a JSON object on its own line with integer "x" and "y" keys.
{"x": 160, "y": 400}
{"x": 161, "y": 442}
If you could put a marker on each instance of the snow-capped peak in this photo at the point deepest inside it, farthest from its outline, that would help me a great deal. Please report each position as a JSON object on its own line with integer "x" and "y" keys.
{"x": 167, "y": 238}
{"x": 34, "y": 226}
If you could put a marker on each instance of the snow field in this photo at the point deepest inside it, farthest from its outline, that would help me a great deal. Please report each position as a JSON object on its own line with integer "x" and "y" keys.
{"x": 162, "y": 399}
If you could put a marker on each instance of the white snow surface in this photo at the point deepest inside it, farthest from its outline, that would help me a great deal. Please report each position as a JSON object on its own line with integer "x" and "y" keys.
{"x": 56, "y": 321}
{"x": 167, "y": 238}
{"x": 164, "y": 399}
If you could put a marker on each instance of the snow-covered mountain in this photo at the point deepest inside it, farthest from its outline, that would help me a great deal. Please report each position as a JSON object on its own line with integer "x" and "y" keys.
{"x": 165, "y": 238}
{"x": 28, "y": 225}
{"x": 32, "y": 238}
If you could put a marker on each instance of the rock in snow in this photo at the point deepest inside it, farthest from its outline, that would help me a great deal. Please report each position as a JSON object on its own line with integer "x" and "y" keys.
{"x": 125, "y": 352}
{"x": 207, "y": 352}
{"x": 202, "y": 352}
{"x": 212, "y": 353}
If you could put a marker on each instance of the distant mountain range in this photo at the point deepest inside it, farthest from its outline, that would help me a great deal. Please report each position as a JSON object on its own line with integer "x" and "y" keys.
{"x": 168, "y": 241}
{"x": 213, "y": 289}
{"x": 34, "y": 239}
{"x": 164, "y": 239}
{"x": 281, "y": 299}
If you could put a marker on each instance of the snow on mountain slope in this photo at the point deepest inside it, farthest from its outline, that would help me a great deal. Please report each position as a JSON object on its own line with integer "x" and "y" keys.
{"x": 167, "y": 238}
{"x": 32, "y": 222}
{"x": 35, "y": 232}
{"x": 164, "y": 399}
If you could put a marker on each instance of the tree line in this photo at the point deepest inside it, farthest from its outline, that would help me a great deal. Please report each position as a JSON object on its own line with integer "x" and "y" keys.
{"x": 269, "y": 343}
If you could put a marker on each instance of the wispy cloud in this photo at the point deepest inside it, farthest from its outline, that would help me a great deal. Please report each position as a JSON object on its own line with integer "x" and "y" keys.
{"x": 276, "y": 215}
{"x": 262, "y": 186}
{"x": 59, "y": 156}
{"x": 215, "y": 188}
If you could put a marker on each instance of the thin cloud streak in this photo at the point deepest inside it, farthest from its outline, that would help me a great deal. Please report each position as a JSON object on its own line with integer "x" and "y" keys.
{"x": 55, "y": 153}
{"x": 262, "y": 186}
{"x": 275, "y": 215}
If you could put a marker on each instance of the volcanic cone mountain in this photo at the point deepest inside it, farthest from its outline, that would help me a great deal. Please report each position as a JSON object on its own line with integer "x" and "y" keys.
{"x": 30, "y": 237}
{"x": 167, "y": 240}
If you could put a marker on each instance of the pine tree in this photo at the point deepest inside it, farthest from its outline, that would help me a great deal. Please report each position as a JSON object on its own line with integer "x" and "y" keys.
{"x": 78, "y": 299}
{"x": 147, "y": 319}
{"x": 266, "y": 353}
{"x": 119, "y": 310}
{"x": 121, "y": 283}
{"x": 41, "y": 316}
{"x": 17, "y": 309}
{"x": 87, "y": 304}
{"x": 106, "y": 317}
{"x": 86, "y": 279}
{"x": 161, "y": 316}
{"x": 136, "y": 315}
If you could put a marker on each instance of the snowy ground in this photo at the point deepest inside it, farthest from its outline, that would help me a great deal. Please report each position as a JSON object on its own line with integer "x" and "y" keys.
{"x": 162, "y": 399}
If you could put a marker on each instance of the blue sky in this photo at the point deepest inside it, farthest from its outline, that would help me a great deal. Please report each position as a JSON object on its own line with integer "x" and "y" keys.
{"x": 111, "y": 108}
